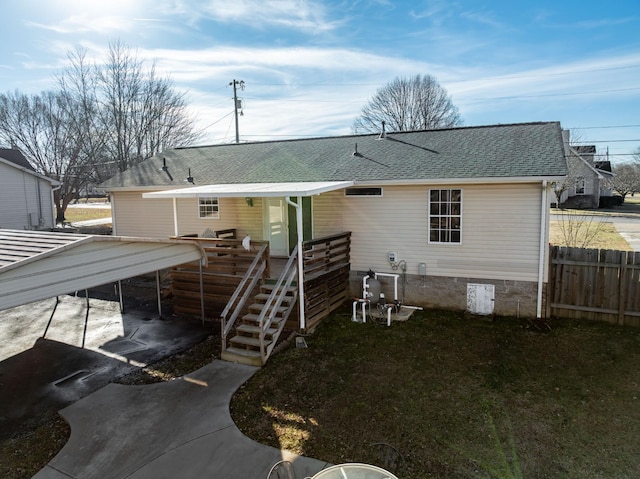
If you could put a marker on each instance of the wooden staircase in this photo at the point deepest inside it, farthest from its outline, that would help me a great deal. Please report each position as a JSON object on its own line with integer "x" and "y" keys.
{"x": 251, "y": 337}
{"x": 246, "y": 346}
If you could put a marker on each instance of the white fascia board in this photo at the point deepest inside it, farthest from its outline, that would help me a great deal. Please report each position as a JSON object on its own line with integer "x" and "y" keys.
{"x": 258, "y": 190}
{"x": 31, "y": 172}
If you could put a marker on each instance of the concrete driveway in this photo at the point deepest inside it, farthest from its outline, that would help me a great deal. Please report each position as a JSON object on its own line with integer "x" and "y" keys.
{"x": 629, "y": 229}
{"x": 52, "y": 355}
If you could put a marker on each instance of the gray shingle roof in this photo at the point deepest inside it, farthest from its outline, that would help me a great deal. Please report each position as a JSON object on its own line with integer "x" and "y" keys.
{"x": 496, "y": 151}
{"x": 15, "y": 156}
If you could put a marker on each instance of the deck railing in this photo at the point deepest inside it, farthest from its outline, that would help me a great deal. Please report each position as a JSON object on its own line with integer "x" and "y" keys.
{"x": 244, "y": 291}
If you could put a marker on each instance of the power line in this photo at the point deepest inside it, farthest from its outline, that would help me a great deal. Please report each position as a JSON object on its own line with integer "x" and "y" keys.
{"x": 601, "y": 127}
{"x": 537, "y": 75}
{"x": 542, "y": 95}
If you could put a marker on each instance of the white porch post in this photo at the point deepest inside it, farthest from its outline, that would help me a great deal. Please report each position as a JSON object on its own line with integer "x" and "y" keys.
{"x": 300, "y": 230}
{"x": 175, "y": 217}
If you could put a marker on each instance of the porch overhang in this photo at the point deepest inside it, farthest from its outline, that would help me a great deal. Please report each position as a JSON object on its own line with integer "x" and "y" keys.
{"x": 258, "y": 190}
{"x": 261, "y": 190}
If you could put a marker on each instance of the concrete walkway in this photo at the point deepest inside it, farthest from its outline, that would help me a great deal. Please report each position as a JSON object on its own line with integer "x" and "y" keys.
{"x": 181, "y": 429}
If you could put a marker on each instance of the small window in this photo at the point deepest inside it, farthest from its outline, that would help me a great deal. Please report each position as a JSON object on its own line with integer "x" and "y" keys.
{"x": 208, "y": 207}
{"x": 362, "y": 191}
{"x": 580, "y": 184}
{"x": 445, "y": 216}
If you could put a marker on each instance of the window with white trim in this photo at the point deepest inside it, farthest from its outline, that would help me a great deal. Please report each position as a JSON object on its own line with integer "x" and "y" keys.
{"x": 445, "y": 216}
{"x": 580, "y": 185}
{"x": 208, "y": 207}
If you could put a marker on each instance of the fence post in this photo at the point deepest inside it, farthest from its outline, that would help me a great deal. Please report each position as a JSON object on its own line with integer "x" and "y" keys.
{"x": 622, "y": 287}
{"x": 551, "y": 281}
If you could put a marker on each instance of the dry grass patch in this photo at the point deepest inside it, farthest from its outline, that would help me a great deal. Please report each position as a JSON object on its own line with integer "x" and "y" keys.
{"x": 73, "y": 215}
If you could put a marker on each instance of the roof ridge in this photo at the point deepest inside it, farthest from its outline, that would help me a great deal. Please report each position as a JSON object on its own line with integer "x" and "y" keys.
{"x": 364, "y": 135}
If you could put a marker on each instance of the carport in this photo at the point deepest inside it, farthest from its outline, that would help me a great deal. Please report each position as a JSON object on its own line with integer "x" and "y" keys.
{"x": 36, "y": 265}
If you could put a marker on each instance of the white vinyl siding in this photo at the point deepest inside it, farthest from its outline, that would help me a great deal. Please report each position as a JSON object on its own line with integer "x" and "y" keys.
{"x": 501, "y": 227}
{"x": 501, "y": 231}
{"x": 26, "y": 200}
{"x": 134, "y": 215}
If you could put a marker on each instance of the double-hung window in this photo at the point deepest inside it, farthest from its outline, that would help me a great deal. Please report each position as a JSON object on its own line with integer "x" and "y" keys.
{"x": 445, "y": 216}
{"x": 208, "y": 207}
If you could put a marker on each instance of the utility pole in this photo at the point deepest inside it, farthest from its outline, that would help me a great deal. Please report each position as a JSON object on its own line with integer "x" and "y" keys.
{"x": 236, "y": 84}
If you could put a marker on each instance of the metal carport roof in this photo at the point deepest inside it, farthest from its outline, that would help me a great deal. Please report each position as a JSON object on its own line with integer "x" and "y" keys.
{"x": 36, "y": 265}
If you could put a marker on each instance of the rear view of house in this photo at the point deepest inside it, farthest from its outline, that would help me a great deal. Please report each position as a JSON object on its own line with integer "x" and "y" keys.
{"x": 26, "y": 196}
{"x": 460, "y": 215}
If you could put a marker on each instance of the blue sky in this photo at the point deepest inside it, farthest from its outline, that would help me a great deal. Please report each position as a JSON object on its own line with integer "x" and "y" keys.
{"x": 310, "y": 66}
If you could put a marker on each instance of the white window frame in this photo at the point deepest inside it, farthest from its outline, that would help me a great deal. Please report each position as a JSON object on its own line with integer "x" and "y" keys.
{"x": 208, "y": 202}
{"x": 447, "y": 214}
{"x": 581, "y": 185}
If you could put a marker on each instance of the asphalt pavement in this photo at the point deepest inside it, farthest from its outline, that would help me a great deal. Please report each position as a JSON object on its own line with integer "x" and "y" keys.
{"x": 53, "y": 353}
{"x": 60, "y": 355}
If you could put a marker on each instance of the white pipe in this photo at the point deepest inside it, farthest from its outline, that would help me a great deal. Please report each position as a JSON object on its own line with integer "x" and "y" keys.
{"x": 300, "y": 230}
{"x": 395, "y": 283}
{"x": 543, "y": 247}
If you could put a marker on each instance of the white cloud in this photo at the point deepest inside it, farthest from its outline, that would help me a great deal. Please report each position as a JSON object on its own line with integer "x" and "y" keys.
{"x": 83, "y": 23}
{"x": 304, "y": 15}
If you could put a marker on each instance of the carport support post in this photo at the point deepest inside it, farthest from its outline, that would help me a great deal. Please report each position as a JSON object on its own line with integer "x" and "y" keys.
{"x": 120, "y": 296}
{"x": 158, "y": 291}
{"x": 201, "y": 292}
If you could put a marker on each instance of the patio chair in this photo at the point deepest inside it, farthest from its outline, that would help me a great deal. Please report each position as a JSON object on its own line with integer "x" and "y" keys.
{"x": 282, "y": 470}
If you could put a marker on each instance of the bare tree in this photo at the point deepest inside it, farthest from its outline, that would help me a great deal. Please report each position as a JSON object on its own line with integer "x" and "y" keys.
{"x": 141, "y": 113}
{"x": 102, "y": 119}
{"x": 405, "y": 104}
{"x": 627, "y": 178}
{"x": 42, "y": 127}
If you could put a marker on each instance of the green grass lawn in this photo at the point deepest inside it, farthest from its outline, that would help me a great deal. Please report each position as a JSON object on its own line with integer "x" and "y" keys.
{"x": 460, "y": 398}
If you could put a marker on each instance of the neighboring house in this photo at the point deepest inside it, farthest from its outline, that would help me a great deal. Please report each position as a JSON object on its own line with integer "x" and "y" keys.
{"x": 589, "y": 182}
{"x": 457, "y": 207}
{"x": 27, "y": 196}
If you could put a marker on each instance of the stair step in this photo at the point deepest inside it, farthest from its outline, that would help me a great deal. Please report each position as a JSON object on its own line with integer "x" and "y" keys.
{"x": 252, "y": 329}
{"x": 258, "y": 308}
{"x": 253, "y": 318}
{"x": 263, "y": 297}
{"x": 242, "y": 356}
{"x": 248, "y": 341}
{"x": 270, "y": 287}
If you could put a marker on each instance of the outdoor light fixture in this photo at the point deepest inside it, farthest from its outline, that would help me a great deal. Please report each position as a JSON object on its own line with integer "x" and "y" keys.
{"x": 249, "y": 201}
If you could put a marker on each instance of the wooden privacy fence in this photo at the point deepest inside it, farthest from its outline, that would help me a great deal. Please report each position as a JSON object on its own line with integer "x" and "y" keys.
{"x": 228, "y": 261}
{"x": 326, "y": 263}
{"x": 594, "y": 284}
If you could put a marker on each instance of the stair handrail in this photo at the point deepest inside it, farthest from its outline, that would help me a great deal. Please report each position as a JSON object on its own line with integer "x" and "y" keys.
{"x": 243, "y": 289}
{"x": 276, "y": 297}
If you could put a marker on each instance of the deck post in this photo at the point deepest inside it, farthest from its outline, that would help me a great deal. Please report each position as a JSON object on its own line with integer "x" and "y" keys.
{"x": 300, "y": 230}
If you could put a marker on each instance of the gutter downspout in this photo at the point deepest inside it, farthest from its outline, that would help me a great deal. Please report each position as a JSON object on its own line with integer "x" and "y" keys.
{"x": 298, "y": 207}
{"x": 175, "y": 217}
{"x": 543, "y": 247}
{"x": 114, "y": 222}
